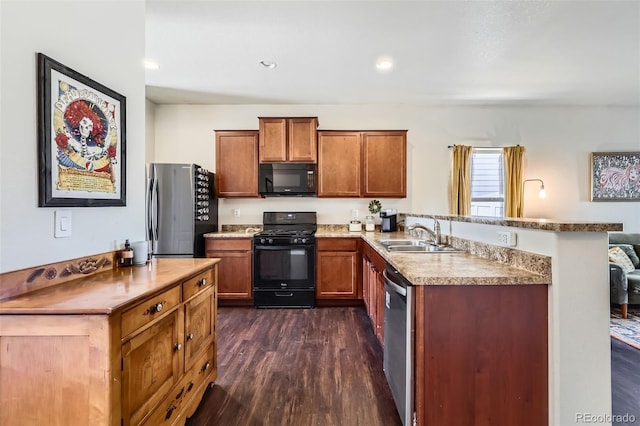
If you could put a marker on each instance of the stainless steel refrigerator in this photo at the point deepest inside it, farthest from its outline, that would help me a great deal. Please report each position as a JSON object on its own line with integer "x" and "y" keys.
{"x": 181, "y": 208}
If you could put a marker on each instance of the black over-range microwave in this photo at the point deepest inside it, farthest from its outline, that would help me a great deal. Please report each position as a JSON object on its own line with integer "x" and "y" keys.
{"x": 287, "y": 179}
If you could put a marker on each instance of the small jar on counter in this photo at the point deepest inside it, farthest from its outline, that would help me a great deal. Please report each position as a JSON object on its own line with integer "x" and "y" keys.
{"x": 370, "y": 224}
{"x": 126, "y": 255}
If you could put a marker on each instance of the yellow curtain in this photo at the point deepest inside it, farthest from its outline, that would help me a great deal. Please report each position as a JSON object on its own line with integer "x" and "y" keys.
{"x": 513, "y": 180}
{"x": 460, "y": 197}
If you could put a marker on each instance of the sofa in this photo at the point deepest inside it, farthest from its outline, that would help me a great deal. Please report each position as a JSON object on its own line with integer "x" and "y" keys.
{"x": 624, "y": 276}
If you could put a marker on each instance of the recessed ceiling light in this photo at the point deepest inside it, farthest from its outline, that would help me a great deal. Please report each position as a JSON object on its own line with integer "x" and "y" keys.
{"x": 268, "y": 64}
{"x": 384, "y": 64}
{"x": 150, "y": 64}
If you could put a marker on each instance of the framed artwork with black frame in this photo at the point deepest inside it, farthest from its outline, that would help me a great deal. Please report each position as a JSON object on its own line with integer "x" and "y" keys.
{"x": 615, "y": 176}
{"x": 81, "y": 139}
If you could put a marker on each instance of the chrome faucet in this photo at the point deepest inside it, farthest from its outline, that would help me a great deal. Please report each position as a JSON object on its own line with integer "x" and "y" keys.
{"x": 435, "y": 234}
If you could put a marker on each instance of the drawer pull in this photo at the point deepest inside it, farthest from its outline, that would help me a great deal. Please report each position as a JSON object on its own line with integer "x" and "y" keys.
{"x": 179, "y": 395}
{"x": 170, "y": 411}
{"x": 202, "y": 282}
{"x": 178, "y": 346}
{"x": 190, "y": 336}
{"x": 157, "y": 308}
{"x": 205, "y": 367}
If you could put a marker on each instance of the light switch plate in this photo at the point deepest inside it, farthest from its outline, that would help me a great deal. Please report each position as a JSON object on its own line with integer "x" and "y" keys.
{"x": 62, "y": 224}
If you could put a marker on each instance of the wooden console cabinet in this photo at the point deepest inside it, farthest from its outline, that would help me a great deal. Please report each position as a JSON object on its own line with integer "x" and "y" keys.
{"x": 131, "y": 346}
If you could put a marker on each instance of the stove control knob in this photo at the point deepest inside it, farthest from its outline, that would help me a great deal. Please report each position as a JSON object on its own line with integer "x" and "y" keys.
{"x": 262, "y": 240}
{"x": 295, "y": 241}
{"x": 303, "y": 240}
{"x": 270, "y": 240}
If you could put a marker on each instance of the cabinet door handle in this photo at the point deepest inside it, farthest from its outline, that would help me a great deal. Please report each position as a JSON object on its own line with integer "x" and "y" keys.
{"x": 178, "y": 346}
{"x": 202, "y": 282}
{"x": 190, "y": 336}
{"x": 205, "y": 367}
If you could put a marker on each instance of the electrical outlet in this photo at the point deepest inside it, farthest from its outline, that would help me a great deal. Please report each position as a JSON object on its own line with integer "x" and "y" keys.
{"x": 236, "y": 212}
{"x": 508, "y": 239}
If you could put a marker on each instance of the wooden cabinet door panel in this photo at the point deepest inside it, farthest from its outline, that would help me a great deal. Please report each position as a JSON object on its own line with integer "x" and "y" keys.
{"x": 198, "y": 326}
{"x": 273, "y": 140}
{"x": 339, "y": 164}
{"x": 237, "y": 163}
{"x": 151, "y": 366}
{"x": 337, "y": 275}
{"x": 365, "y": 284}
{"x": 384, "y": 164}
{"x": 378, "y": 283}
{"x": 302, "y": 138}
{"x": 234, "y": 274}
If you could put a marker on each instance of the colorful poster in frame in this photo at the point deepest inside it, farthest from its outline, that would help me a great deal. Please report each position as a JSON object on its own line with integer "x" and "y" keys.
{"x": 615, "y": 176}
{"x": 81, "y": 139}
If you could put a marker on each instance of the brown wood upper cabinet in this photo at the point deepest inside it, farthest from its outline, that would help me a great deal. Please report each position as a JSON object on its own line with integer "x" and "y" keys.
{"x": 384, "y": 164}
{"x": 236, "y": 163}
{"x": 362, "y": 163}
{"x": 291, "y": 139}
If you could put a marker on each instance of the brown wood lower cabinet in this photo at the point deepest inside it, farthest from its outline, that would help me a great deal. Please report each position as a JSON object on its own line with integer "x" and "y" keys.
{"x": 338, "y": 270}
{"x": 234, "y": 271}
{"x": 91, "y": 352}
{"x": 373, "y": 282}
{"x": 481, "y": 355}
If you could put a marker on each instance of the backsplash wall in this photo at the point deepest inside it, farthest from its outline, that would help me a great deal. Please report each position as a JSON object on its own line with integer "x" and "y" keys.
{"x": 558, "y": 142}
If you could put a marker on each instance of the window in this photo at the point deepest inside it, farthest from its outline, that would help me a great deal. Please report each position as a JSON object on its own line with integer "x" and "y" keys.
{"x": 487, "y": 182}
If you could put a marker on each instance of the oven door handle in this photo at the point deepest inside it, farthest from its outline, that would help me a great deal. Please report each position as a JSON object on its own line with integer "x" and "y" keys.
{"x": 283, "y": 247}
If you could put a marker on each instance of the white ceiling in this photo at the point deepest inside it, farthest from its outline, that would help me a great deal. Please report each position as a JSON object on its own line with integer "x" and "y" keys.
{"x": 446, "y": 52}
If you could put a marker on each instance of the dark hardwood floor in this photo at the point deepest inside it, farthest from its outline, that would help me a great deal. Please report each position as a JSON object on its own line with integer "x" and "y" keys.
{"x": 323, "y": 366}
{"x": 625, "y": 382}
{"x": 318, "y": 366}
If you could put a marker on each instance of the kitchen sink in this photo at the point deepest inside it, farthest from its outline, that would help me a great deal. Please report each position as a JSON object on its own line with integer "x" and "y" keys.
{"x": 416, "y": 246}
{"x": 388, "y": 243}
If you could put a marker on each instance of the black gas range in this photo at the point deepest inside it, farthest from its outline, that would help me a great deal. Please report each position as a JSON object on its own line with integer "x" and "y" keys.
{"x": 284, "y": 261}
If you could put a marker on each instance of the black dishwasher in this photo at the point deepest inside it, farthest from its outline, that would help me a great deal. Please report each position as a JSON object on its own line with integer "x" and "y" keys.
{"x": 398, "y": 341}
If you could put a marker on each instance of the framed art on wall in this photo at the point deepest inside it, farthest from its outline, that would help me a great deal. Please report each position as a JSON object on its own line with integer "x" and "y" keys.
{"x": 81, "y": 139}
{"x": 615, "y": 176}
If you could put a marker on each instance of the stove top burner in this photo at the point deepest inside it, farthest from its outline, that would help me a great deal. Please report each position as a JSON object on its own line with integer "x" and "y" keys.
{"x": 285, "y": 233}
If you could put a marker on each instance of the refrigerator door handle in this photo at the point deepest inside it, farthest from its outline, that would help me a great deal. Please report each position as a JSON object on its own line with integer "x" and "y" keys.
{"x": 156, "y": 218}
{"x": 149, "y": 212}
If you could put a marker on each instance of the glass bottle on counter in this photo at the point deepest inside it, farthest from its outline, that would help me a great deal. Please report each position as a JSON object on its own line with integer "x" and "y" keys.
{"x": 126, "y": 255}
{"x": 370, "y": 224}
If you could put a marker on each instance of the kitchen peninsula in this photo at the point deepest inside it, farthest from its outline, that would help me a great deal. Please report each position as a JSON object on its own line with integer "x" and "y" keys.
{"x": 564, "y": 254}
{"x": 117, "y": 346}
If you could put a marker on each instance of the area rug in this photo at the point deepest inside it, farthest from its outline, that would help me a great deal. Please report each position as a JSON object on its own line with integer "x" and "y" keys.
{"x": 626, "y": 330}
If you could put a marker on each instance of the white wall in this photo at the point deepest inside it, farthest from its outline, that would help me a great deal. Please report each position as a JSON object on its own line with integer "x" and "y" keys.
{"x": 104, "y": 40}
{"x": 558, "y": 142}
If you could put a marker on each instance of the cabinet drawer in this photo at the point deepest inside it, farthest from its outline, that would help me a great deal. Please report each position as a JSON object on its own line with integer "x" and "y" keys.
{"x": 149, "y": 310}
{"x": 198, "y": 283}
{"x": 199, "y": 326}
{"x": 169, "y": 411}
{"x": 229, "y": 244}
{"x": 337, "y": 244}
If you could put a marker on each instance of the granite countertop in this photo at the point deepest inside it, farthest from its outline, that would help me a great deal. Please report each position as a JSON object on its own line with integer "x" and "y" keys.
{"x": 554, "y": 225}
{"x": 436, "y": 268}
{"x": 451, "y": 268}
